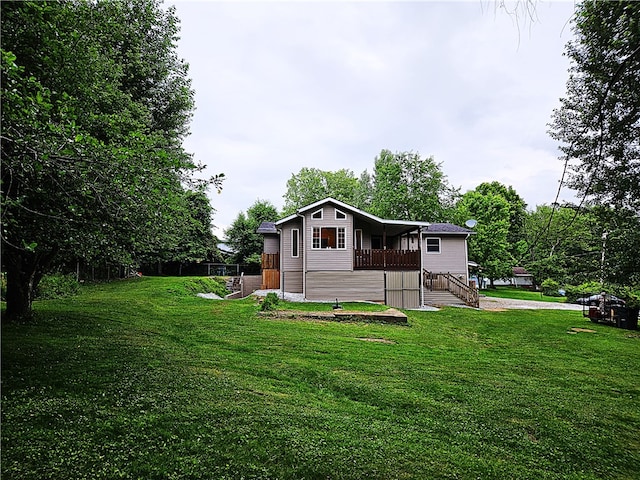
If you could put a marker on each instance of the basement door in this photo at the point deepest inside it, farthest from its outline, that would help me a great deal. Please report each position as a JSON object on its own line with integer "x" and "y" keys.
{"x": 402, "y": 289}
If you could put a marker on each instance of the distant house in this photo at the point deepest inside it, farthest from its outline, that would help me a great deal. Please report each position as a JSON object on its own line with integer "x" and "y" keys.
{"x": 331, "y": 250}
{"x": 520, "y": 278}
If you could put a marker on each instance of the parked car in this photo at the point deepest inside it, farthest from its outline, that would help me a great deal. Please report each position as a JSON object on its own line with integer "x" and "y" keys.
{"x": 594, "y": 300}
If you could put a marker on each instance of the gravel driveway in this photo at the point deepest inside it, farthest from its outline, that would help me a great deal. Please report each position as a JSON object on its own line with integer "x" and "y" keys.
{"x": 490, "y": 303}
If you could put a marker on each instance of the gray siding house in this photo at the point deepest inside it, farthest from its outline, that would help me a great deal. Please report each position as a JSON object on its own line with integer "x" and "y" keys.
{"x": 330, "y": 250}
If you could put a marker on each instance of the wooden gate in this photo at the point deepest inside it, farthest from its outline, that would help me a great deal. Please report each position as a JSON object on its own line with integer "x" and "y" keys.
{"x": 402, "y": 289}
{"x": 270, "y": 271}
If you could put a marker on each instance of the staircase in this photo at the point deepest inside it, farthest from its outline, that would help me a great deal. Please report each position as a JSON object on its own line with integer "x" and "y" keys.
{"x": 445, "y": 289}
{"x": 441, "y": 297}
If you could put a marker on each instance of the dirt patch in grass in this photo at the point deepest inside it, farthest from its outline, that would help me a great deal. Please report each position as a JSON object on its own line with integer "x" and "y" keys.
{"x": 377, "y": 340}
{"x": 578, "y": 329}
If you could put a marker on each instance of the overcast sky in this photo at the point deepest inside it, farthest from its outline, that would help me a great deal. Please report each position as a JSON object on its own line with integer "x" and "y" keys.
{"x": 289, "y": 84}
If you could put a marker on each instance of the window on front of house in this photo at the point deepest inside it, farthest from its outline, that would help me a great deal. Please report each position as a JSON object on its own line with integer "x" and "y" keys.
{"x": 317, "y": 215}
{"x": 433, "y": 245}
{"x": 340, "y": 215}
{"x": 329, "y": 237}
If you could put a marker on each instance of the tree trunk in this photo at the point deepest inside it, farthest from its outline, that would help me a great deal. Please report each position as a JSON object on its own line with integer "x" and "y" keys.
{"x": 24, "y": 272}
{"x": 21, "y": 276}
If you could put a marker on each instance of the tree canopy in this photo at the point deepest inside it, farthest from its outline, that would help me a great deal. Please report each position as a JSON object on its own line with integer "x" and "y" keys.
{"x": 312, "y": 184}
{"x": 242, "y": 236}
{"x": 403, "y": 186}
{"x": 598, "y": 122}
{"x": 490, "y": 245}
{"x": 409, "y": 187}
{"x": 96, "y": 104}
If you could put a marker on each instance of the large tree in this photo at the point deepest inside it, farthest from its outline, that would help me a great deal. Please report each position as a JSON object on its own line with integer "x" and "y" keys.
{"x": 406, "y": 186}
{"x": 310, "y": 185}
{"x": 242, "y": 236}
{"x": 517, "y": 215}
{"x": 490, "y": 245}
{"x": 598, "y": 122}
{"x": 95, "y": 107}
{"x": 564, "y": 244}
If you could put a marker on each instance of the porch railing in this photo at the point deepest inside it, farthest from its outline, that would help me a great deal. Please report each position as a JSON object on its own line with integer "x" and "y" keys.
{"x": 380, "y": 259}
{"x": 447, "y": 282}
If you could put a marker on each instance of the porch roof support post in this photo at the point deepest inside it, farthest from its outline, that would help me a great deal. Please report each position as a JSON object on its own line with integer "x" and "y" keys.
{"x": 420, "y": 232}
{"x": 384, "y": 246}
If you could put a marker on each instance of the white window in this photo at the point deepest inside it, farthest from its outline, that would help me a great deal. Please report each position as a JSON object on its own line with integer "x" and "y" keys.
{"x": 317, "y": 215}
{"x": 340, "y": 215}
{"x": 295, "y": 242}
{"x": 433, "y": 245}
{"x": 329, "y": 237}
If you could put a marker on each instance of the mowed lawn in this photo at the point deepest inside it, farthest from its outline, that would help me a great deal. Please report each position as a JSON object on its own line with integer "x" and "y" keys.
{"x": 141, "y": 379}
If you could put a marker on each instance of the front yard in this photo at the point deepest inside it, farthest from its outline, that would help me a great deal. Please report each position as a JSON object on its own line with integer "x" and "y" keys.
{"x": 141, "y": 379}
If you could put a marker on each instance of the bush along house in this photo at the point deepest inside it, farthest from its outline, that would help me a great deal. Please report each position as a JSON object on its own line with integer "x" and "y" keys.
{"x": 332, "y": 251}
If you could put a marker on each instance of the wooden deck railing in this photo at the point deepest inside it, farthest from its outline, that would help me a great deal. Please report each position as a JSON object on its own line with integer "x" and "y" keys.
{"x": 449, "y": 283}
{"x": 379, "y": 259}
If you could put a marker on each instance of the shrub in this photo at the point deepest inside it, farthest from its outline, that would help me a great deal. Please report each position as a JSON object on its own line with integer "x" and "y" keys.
{"x": 270, "y": 302}
{"x": 57, "y": 285}
{"x": 582, "y": 290}
{"x": 631, "y": 295}
{"x": 550, "y": 288}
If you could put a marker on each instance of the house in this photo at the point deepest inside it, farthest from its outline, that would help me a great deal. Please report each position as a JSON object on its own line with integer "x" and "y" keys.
{"x": 520, "y": 278}
{"x": 331, "y": 250}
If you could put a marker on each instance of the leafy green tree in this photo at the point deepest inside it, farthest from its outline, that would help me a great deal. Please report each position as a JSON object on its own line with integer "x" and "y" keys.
{"x": 95, "y": 107}
{"x": 490, "y": 245}
{"x": 619, "y": 231}
{"x": 242, "y": 235}
{"x": 598, "y": 122}
{"x": 517, "y": 215}
{"x": 310, "y": 185}
{"x": 564, "y": 244}
{"x": 408, "y": 187}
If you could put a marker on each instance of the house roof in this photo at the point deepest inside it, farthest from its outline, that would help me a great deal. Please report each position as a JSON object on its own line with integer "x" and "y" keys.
{"x": 267, "y": 227}
{"x": 447, "y": 228}
{"x": 520, "y": 272}
{"x": 393, "y": 227}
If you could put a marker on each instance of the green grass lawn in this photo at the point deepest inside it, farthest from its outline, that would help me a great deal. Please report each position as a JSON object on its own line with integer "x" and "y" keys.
{"x": 520, "y": 294}
{"x": 141, "y": 379}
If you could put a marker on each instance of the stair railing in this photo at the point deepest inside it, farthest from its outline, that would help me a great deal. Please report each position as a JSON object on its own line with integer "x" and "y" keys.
{"x": 446, "y": 281}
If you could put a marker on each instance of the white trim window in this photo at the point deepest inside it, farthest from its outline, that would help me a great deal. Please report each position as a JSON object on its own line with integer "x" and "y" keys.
{"x": 317, "y": 215}
{"x": 295, "y": 243}
{"x": 432, "y": 245}
{"x": 328, "y": 238}
{"x": 340, "y": 215}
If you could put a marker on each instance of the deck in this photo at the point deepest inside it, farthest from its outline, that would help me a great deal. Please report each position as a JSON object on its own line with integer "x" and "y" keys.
{"x": 381, "y": 259}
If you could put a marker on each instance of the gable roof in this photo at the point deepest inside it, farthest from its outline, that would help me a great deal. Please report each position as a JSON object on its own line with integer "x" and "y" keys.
{"x": 395, "y": 226}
